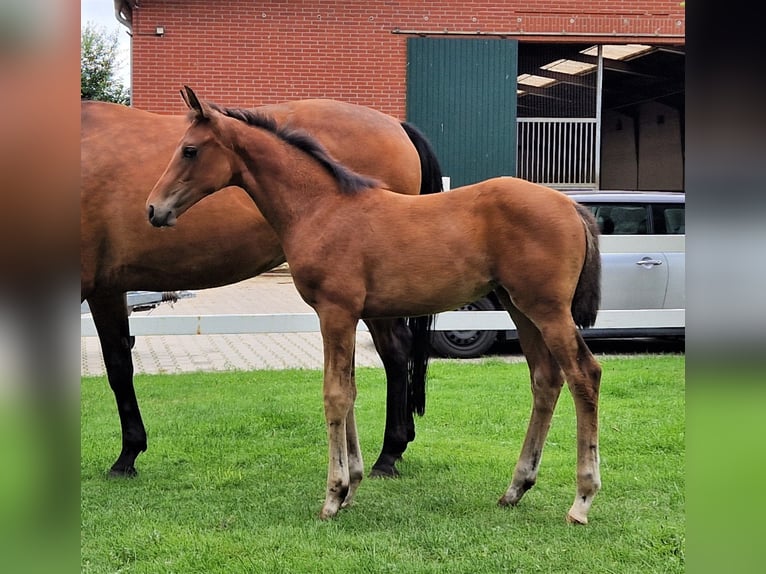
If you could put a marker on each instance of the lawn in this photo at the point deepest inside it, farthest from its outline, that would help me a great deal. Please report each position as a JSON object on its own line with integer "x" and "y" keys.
{"x": 234, "y": 477}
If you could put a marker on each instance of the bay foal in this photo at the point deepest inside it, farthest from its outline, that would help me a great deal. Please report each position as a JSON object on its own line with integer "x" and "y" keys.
{"x": 349, "y": 242}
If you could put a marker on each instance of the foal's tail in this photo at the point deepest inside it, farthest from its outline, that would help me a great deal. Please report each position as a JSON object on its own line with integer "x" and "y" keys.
{"x": 421, "y": 327}
{"x": 587, "y": 296}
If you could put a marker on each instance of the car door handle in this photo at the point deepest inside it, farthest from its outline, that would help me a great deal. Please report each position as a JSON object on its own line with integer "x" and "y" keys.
{"x": 648, "y": 262}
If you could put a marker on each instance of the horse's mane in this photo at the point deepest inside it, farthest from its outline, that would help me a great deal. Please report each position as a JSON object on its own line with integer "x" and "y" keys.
{"x": 348, "y": 180}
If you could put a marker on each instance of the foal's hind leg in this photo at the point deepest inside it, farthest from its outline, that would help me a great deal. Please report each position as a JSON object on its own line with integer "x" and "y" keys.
{"x": 583, "y": 375}
{"x": 392, "y": 340}
{"x": 546, "y": 382}
{"x": 110, "y": 315}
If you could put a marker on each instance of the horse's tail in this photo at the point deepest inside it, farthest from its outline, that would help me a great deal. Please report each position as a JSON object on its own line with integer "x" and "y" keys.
{"x": 417, "y": 364}
{"x": 421, "y": 327}
{"x": 430, "y": 170}
{"x": 587, "y": 296}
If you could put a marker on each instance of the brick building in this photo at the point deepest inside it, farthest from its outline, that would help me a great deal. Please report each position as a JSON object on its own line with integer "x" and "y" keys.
{"x": 389, "y": 55}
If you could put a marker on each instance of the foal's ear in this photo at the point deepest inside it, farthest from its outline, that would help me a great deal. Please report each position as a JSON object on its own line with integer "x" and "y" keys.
{"x": 194, "y": 104}
{"x": 184, "y": 97}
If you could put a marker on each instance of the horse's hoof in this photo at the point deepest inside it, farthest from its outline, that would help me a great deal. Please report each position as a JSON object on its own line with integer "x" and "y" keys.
{"x": 505, "y": 501}
{"x": 384, "y": 472}
{"x": 128, "y": 472}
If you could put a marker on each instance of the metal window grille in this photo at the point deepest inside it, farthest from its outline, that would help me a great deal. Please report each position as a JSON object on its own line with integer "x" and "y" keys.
{"x": 557, "y": 152}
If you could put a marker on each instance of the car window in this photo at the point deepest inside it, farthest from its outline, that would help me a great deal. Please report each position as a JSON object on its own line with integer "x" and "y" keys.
{"x": 633, "y": 219}
{"x": 621, "y": 218}
{"x": 669, "y": 218}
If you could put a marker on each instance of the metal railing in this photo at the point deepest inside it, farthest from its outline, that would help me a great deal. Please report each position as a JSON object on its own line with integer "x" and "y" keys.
{"x": 557, "y": 152}
{"x": 309, "y": 323}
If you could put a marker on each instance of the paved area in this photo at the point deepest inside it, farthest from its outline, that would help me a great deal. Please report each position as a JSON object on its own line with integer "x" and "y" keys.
{"x": 272, "y": 293}
{"x": 268, "y": 293}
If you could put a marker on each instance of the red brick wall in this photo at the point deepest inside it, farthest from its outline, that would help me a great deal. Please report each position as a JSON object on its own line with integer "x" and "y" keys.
{"x": 244, "y": 53}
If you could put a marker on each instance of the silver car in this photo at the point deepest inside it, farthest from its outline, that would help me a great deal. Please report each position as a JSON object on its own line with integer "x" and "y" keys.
{"x": 643, "y": 256}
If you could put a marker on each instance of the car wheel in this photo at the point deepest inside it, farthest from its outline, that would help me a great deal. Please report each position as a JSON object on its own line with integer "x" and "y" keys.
{"x": 465, "y": 344}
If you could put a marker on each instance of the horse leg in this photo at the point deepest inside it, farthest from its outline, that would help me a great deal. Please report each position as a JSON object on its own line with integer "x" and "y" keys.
{"x": 355, "y": 463}
{"x": 392, "y": 340}
{"x": 546, "y": 383}
{"x": 110, "y": 316}
{"x": 583, "y": 375}
{"x": 345, "y": 469}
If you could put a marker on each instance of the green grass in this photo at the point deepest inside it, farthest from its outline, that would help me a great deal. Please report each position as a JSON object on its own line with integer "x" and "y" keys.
{"x": 234, "y": 477}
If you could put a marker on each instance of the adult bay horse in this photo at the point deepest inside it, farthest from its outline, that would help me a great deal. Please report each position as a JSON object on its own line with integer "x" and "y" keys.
{"x": 125, "y": 150}
{"x": 358, "y": 251}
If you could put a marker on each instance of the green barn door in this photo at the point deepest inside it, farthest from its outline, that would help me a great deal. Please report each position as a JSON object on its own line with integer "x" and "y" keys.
{"x": 462, "y": 94}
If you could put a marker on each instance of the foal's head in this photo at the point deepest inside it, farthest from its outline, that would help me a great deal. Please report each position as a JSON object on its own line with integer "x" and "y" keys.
{"x": 206, "y": 161}
{"x": 202, "y": 164}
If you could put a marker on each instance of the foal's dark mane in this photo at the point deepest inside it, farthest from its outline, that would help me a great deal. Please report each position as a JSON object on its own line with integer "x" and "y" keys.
{"x": 349, "y": 181}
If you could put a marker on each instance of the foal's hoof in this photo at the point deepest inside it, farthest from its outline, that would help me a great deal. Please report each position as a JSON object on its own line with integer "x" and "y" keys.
{"x": 573, "y": 518}
{"x": 511, "y": 498}
{"x": 329, "y": 511}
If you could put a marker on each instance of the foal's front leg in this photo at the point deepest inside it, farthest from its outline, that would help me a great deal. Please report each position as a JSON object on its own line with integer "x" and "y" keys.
{"x": 345, "y": 467}
{"x": 355, "y": 463}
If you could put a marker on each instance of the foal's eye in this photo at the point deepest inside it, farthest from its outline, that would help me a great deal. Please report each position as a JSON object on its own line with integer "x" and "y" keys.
{"x": 189, "y": 152}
